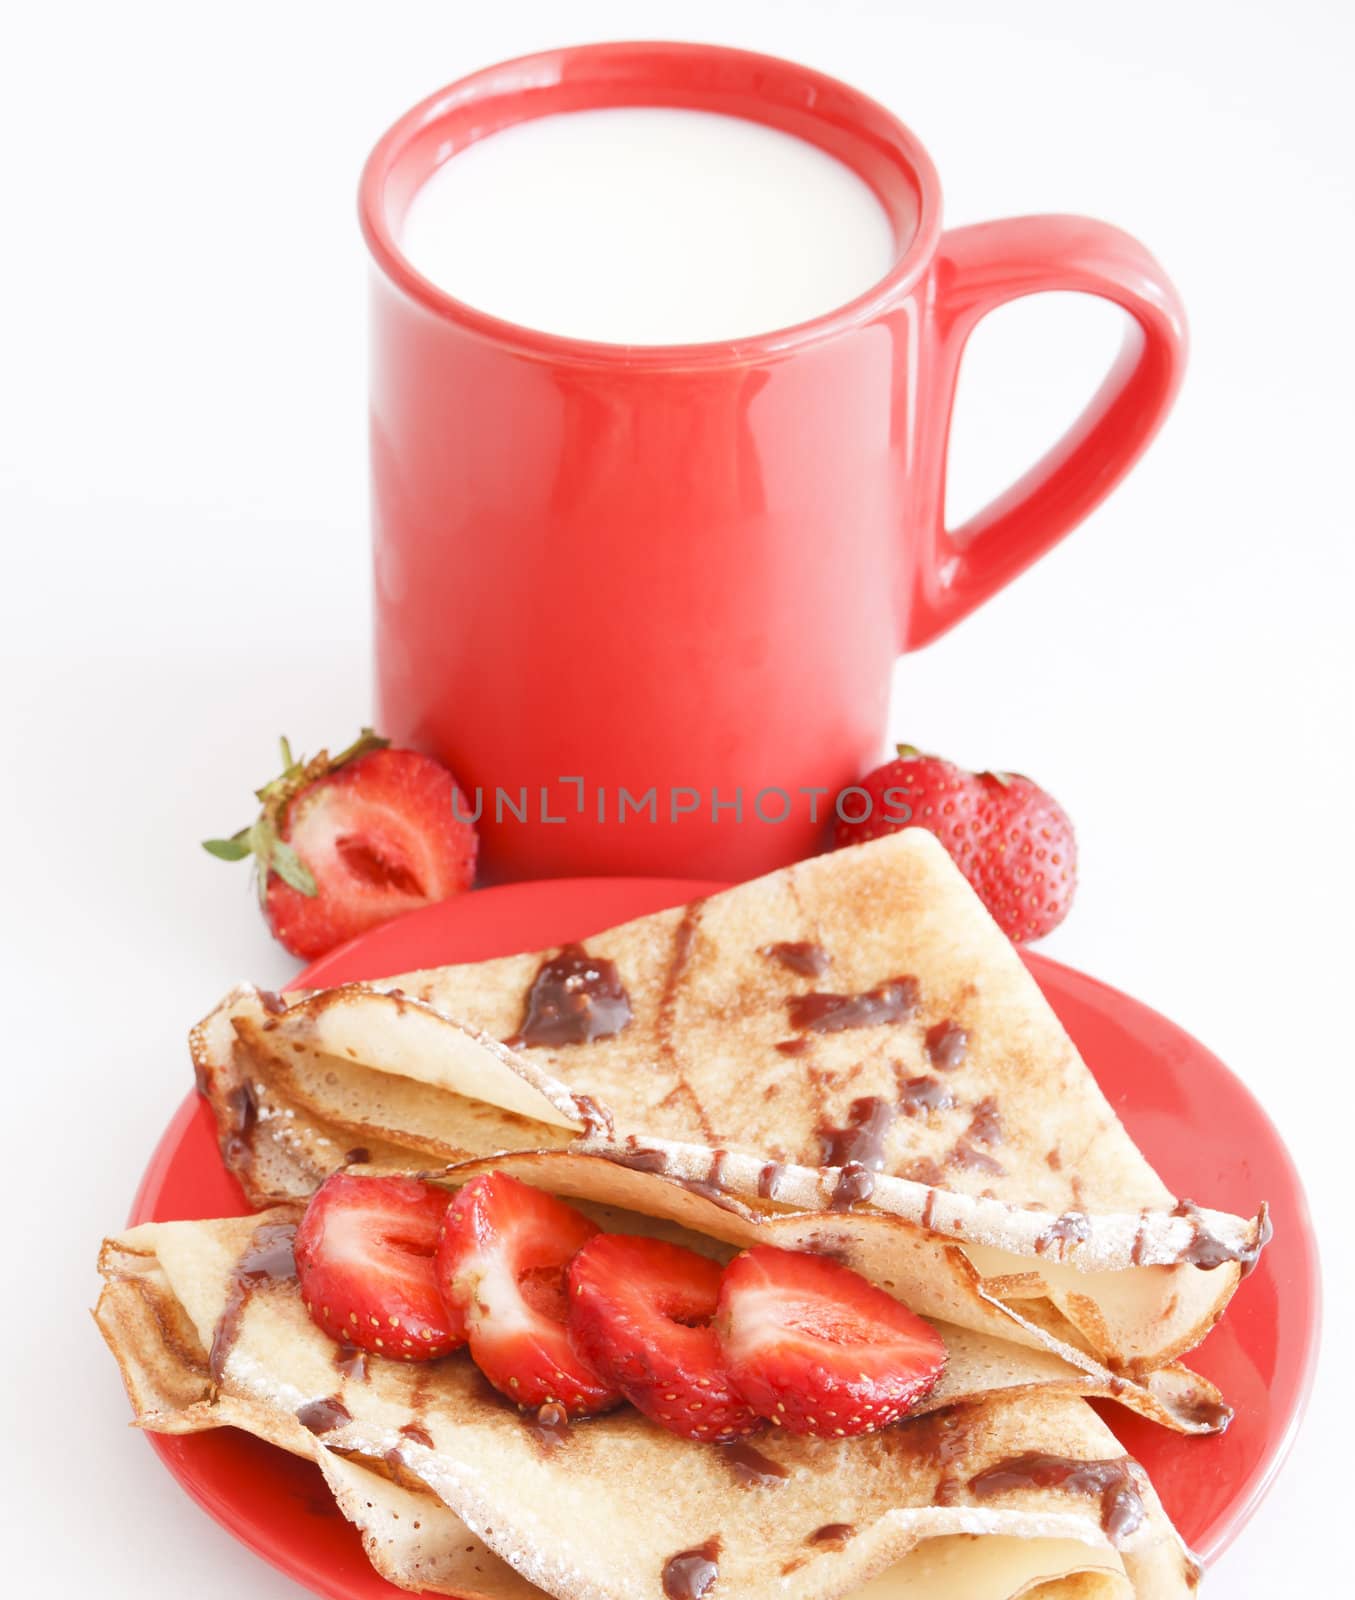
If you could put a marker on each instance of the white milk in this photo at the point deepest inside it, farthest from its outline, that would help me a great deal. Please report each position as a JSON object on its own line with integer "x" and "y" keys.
{"x": 648, "y": 226}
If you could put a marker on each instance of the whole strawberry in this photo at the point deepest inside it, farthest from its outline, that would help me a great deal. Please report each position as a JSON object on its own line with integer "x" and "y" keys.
{"x": 346, "y": 842}
{"x": 1012, "y": 841}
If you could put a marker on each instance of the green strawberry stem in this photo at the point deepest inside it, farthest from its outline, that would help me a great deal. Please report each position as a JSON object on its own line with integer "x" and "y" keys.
{"x": 263, "y": 839}
{"x": 910, "y": 752}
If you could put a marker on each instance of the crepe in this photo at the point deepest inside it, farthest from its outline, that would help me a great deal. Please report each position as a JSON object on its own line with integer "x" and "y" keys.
{"x": 936, "y": 1277}
{"x": 413, "y": 1540}
{"x": 852, "y": 1036}
{"x": 455, "y": 1492}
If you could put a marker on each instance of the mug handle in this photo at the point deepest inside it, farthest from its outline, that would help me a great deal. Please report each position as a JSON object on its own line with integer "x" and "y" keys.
{"x": 976, "y": 270}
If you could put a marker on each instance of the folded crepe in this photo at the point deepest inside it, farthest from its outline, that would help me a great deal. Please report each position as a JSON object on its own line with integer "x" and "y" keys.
{"x": 413, "y": 1540}
{"x": 848, "y": 1045}
{"x": 1008, "y": 1485}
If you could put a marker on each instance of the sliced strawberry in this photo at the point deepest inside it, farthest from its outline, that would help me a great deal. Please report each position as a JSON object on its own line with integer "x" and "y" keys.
{"x": 501, "y": 1263}
{"x": 639, "y": 1311}
{"x": 349, "y": 841}
{"x": 364, "y": 1255}
{"x": 813, "y": 1347}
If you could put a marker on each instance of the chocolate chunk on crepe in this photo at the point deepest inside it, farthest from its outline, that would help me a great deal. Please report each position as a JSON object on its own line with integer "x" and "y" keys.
{"x": 851, "y": 1038}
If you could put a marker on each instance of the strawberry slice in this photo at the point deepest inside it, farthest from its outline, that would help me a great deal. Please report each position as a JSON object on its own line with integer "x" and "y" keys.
{"x": 640, "y": 1311}
{"x": 501, "y": 1264}
{"x": 348, "y": 841}
{"x": 364, "y": 1256}
{"x": 813, "y": 1347}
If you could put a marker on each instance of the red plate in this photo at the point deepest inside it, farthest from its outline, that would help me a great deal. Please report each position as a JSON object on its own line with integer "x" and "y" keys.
{"x": 1194, "y": 1121}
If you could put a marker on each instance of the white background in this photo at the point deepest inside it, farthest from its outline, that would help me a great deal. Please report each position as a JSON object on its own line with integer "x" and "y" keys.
{"x": 182, "y": 499}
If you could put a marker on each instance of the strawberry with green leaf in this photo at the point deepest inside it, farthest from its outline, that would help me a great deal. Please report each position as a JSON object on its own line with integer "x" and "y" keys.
{"x": 345, "y": 842}
{"x": 1010, "y": 838}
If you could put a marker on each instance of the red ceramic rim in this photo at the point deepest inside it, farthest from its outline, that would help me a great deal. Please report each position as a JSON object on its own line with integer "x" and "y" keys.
{"x": 1196, "y": 1121}
{"x": 782, "y": 94}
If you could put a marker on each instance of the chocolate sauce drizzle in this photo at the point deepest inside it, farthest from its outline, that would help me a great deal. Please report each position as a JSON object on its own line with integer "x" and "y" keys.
{"x": 869, "y": 1120}
{"x": 820, "y": 1012}
{"x": 645, "y": 1158}
{"x": 692, "y": 1573}
{"x": 268, "y": 1259}
{"x": 965, "y": 1155}
{"x": 1207, "y": 1251}
{"x": 810, "y": 960}
{"x": 684, "y": 937}
{"x": 1069, "y": 1229}
{"x": 751, "y": 1468}
{"x": 597, "y": 1118}
{"x": 855, "y": 1184}
{"x": 549, "y": 1424}
{"x": 640, "y": 1157}
{"x": 712, "y": 1186}
{"x": 834, "y": 1533}
{"x": 1140, "y": 1240}
{"x": 986, "y": 1123}
{"x": 769, "y": 1179}
{"x": 793, "y": 1047}
{"x": 1206, "y": 1412}
{"x": 827, "y": 1245}
{"x": 417, "y": 1434}
{"x": 946, "y": 1043}
{"x": 323, "y": 1416}
{"x": 1122, "y": 1508}
{"x": 242, "y": 1108}
{"x": 351, "y": 1361}
{"x": 574, "y": 999}
{"x": 920, "y": 1095}
{"x": 942, "y": 1437}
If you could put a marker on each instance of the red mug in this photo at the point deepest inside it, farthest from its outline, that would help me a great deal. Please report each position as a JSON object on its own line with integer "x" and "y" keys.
{"x": 645, "y": 600}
